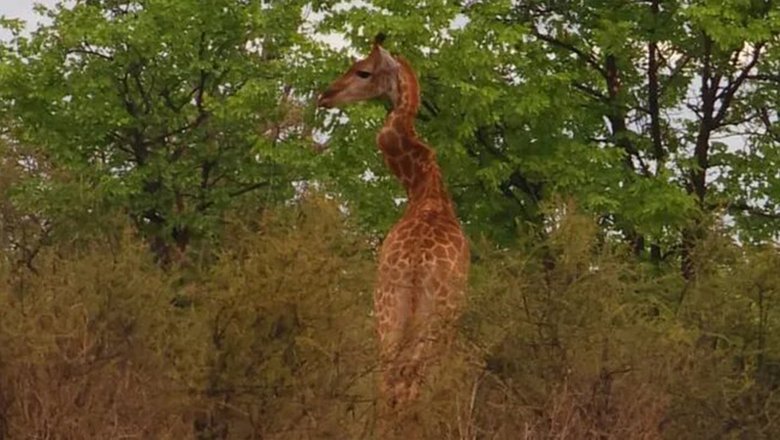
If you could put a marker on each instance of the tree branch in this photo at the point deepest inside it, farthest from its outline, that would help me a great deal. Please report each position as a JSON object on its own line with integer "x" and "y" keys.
{"x": 744, "y": 207}
{"x": 588, "y": 58}
{"x": 88, "y": 51}
{"x": 764, "y": 77}
{"x": 653, "y": 92}
{"x": 590, "y": 92}
{"x": 734, "y": 84}
{"x": 249, "y": 188}
{"x": 675, "y": 72}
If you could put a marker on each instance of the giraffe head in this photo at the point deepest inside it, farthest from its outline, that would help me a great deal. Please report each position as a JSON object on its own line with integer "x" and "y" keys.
{"x": 375, "y": 76}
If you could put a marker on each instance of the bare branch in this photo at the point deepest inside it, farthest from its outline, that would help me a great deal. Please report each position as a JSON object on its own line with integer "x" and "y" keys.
{"x": 752, "y": 210}
{"x": 249, "y": 188}
{"x": 92, "y": 52}
{"x": 590, "y": 91}
{"x": 765, "y": 77}
{"x": 588, "y": 58}
{"x": 678, "y": 68}
{"x": 734, "y": 84}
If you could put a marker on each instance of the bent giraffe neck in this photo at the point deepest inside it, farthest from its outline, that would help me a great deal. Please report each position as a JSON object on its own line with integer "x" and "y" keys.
{"x": 410, "y": 159}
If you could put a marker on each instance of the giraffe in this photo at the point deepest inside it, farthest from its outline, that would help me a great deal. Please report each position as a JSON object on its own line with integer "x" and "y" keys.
{"x": 424, "y": 260}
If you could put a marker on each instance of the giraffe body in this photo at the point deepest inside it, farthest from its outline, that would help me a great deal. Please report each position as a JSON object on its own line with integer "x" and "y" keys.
{"x": 424, "y": 260}
{"x": 422, "y": 268}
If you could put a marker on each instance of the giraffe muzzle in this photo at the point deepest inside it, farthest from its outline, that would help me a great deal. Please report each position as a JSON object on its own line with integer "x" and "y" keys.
{"x": 325, "y": 100}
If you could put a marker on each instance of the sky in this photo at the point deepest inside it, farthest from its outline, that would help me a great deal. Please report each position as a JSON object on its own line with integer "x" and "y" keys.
{"x": 22, "y": 9}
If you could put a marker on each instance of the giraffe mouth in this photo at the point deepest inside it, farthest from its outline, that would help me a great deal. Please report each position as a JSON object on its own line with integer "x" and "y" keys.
{"x": 325, "y": 100}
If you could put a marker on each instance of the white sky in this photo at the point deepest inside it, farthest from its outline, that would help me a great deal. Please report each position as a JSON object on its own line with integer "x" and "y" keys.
{"x": 22, "y": 9}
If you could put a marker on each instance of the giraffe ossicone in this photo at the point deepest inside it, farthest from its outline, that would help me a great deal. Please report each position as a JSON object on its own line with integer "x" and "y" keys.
{"x": 424, "y": 260}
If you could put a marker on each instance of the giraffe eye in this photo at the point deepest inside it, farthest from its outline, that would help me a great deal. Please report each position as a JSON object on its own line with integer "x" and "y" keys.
{"x": 363, "y": 74}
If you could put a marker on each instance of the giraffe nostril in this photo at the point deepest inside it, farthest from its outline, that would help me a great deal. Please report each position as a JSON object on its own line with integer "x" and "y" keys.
{"x": 325, "y": 98}
{"x": 323, "y": 102}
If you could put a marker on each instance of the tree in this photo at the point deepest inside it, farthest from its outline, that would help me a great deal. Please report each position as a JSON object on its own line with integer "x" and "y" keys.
{"x": 656, "y": 117}
{"x": 169, "y": 110}
{"x": 622, "y": 105}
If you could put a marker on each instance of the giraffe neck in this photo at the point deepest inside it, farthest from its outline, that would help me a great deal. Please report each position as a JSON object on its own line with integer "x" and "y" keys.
{"x": 406, "y": 96}
{"x": 410, "y": 159}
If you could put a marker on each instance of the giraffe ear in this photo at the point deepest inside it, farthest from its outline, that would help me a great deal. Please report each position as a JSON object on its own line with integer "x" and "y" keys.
{"x": 385, "y": 61}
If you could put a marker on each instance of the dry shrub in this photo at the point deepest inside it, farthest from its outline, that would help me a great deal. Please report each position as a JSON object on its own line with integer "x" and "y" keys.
{"x": 580, "y": 341}
{"x": 288, "y": 343}
{"x": 571, "y": 349}
{"x": 270, "y": 335}
{"x": 271, "y": 338}
{"x": 734, "y": 304}
{"x": 81, "y": 344}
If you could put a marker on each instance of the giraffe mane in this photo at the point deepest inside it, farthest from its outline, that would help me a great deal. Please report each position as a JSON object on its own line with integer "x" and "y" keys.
{"x": 411, "y": 85}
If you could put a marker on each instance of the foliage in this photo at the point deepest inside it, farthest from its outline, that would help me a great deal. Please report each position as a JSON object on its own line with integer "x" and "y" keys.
{"x": 651, "y": 114}
{"x": 604, "y": 348}
{"x": 170, "y": 110}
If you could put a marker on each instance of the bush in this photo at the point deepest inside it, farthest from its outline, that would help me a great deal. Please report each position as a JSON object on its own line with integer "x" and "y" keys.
{"x": 284, "y": 316}
{"x": 269, "y": 335}
{"x": 271, "y": 338}
{"x": 82, "y": 344}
